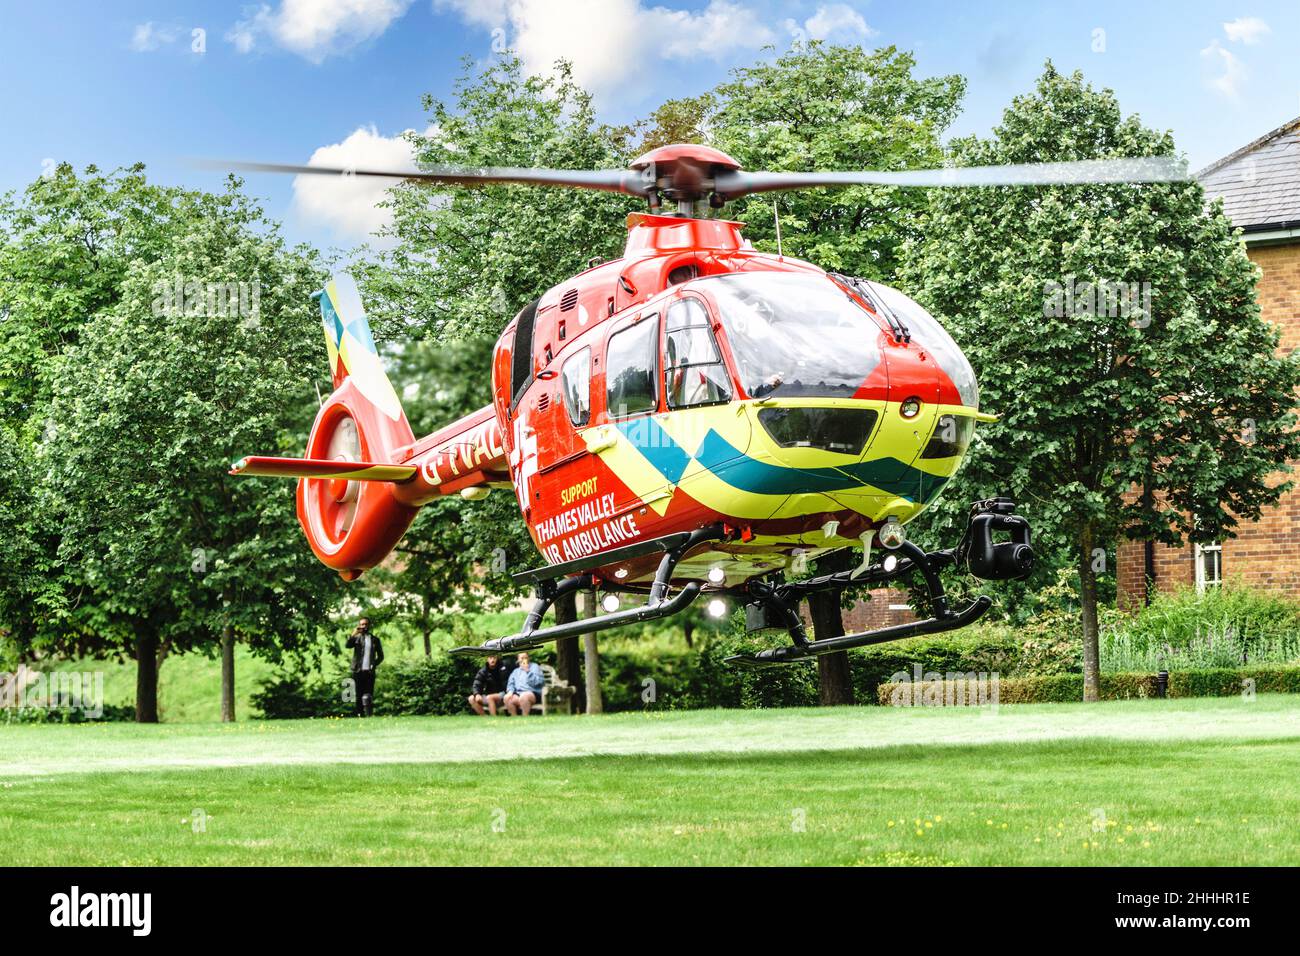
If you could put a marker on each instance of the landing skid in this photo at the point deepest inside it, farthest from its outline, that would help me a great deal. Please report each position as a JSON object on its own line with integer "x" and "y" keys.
{"x": 782, "y": 602}
{"x": 660, "y": 605}
{"x": 792, "y": 653}
{"x": 776, "y": 603}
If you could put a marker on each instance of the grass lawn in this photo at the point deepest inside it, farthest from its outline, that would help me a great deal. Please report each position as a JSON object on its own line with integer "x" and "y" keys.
{"x": 1209, "y": 781}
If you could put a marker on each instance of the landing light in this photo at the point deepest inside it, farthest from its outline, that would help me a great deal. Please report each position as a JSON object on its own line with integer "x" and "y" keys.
{"x": 717, "y": 575}
{"x": 610, "y": 603}
{"x": 717, "y": 608}
{"x": 890, "y": 562}
{"x": 910, "y": 408}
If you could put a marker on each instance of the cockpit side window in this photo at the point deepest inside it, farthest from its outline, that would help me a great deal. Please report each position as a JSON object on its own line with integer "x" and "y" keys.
{"x": 693, "y": 365}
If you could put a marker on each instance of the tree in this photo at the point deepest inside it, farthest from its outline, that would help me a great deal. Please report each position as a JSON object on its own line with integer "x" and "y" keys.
{"x": 1115, "y": 331}
{"x": 834, "y": 677}
{"x": 467, "y": 260}
{"x": 66, "y": 242}
{"x": 198, "y": 360}
{"x": 824, "y": 107}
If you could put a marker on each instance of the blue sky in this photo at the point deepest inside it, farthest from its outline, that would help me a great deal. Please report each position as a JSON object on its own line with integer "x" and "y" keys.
{"x": 116, "y": 83}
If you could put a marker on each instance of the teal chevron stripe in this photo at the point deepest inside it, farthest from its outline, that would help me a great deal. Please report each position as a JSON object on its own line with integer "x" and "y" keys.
{"x": 658, "y": 447}
{"x": 763, "y": 478}
{"x": 759, "y": 477}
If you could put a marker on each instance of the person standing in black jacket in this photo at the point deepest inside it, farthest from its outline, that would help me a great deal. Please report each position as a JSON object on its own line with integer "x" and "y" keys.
{"x": 367, "y": 655}
{"x": 489, "y": 686}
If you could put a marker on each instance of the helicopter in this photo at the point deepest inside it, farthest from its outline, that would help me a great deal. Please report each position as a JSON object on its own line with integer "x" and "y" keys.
{"x": 690, "y": 419}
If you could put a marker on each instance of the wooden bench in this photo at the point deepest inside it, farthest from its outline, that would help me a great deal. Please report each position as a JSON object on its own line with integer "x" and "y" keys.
{"x": 557, "y": 695}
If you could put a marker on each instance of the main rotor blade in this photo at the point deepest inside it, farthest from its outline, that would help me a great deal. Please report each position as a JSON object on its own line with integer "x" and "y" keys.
{"x": 610, "y": 180}
{"x": 1141, "y": 169}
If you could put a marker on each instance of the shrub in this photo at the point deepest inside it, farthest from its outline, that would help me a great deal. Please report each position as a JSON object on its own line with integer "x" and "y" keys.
{"x": 1224, "y": 627}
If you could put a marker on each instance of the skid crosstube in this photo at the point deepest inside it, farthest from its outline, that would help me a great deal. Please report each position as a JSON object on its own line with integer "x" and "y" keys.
{"x": 674, "y": 547}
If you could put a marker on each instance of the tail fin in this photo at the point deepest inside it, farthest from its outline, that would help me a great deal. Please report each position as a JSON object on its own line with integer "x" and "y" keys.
{"x": 351, "y": 348}
{"x": 356, "y": 451}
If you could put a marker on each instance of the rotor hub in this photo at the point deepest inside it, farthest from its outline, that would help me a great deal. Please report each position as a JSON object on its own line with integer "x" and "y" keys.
{"x": 682, "y": 173}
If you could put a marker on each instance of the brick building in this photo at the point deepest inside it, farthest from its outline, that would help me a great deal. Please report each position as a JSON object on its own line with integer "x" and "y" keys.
{"x": 1260, "y": 188}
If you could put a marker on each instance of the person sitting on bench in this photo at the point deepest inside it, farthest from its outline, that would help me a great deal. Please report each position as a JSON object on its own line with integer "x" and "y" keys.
{"x": 489, "y": 686}
{"x": 524, "y": 686}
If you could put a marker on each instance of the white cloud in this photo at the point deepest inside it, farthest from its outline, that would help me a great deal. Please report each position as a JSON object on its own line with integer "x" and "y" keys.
{"x": 1247, "y": 30}
{"x": 612, "y": 43}
{"x": 1227, "y": 72}
{"x": 348, "y": 206}
{"x": 316, "y": 29}
{"x": 835, "y": 21}
{"x": 148, "y": 37}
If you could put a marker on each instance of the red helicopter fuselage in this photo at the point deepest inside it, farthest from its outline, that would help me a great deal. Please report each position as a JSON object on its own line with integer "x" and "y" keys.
{"x": 603, "y": 452}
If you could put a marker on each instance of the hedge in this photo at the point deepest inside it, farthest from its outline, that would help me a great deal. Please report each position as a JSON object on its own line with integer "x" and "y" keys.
{"x": 630, "y": 680}
{"x": 74, "y": 714}
{"x": 1068, "y": 688}
{"x": 638, "y": 679}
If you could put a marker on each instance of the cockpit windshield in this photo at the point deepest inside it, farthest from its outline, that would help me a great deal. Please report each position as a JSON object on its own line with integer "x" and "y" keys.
{"x": 795, "y": 335}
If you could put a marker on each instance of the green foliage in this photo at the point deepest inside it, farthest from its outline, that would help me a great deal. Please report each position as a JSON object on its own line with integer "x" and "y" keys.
{"x": 152, "y": 404}
{"x": 1176, "y": 388}
{"x": 655, "y": 677}
{"x": 819, "y": 106}
{"x": 66, "y": 244}
{"x": 127, "y": 405}
{"x": 467, "y": 259}
{"x": 1224, "y": 627}
{"x": 74, "y": 714}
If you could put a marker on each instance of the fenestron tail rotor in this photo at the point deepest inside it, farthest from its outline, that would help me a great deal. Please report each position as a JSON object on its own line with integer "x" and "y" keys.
{"x": 685, "y": 174}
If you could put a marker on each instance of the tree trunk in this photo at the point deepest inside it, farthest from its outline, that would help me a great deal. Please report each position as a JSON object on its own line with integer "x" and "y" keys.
{"x": 688, "y": 629}
{"x": 591, "y": 657}
{"x": 146, "y": 676}
{"x": 568, "y": 663}
{"x": 1088, "y": 604}
{"x": 227, "y": 674}
{"x": 834, "y": 679}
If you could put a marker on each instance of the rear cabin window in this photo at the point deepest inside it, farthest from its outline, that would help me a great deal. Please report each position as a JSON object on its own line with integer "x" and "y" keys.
{"x": 630, "y": 369}
{"x": 575, "y": 382}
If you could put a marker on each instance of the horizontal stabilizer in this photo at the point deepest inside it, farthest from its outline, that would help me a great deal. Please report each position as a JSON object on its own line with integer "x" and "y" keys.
{"x": 261, "y": 465}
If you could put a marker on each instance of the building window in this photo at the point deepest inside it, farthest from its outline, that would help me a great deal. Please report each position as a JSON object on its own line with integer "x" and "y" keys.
{"x": 1209, "y": 566}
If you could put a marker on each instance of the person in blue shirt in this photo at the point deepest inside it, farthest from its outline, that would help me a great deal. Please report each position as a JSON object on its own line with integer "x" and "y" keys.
{"x": 524, "y": 686}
